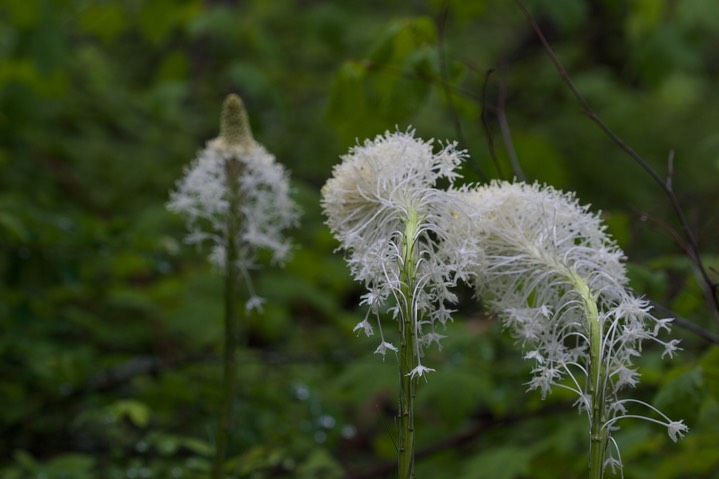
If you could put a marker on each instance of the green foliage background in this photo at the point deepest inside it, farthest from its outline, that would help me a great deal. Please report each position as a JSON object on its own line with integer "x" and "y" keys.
{"x": 111, "y": 327}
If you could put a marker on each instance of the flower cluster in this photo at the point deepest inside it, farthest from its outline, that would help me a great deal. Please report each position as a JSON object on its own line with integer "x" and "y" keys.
{"x": 558, "y": 281}
{"x": 399, "y": 230}
{"x": 235, "y": 178}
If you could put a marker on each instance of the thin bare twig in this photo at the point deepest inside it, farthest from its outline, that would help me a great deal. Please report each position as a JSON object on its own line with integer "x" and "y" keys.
{"x": 485, "y": 124}
{"x": 686, "y": 324}
{"x": 504, "y": 127}
{"x": 643, "y": 215}
{"x": 444, "y": 84}
{"x": 710, "y": 287}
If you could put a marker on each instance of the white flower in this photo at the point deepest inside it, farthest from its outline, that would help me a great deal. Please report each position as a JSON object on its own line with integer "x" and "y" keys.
{"x": 384, "y": 190}
{"x": 419, "y": 371}
{"x": 254, "y": 303}
{"x": 383, "y": 347}
{"x": 235, "y": 164}
{"x": 676, "y": 429}
{"x": 364, "y": 326}
{"x": 557, "y": 280}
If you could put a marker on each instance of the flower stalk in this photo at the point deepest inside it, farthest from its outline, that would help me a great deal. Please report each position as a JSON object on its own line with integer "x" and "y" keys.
{"x": 237, "y": 198}
{"x": 598, "y": 434}
{"x": 408, "y": 346}
{"x": 402, "y": 243}
{"x": 559, "y": 283}
{"x": 234, "y": 132}
{"x": 232, "y": 280}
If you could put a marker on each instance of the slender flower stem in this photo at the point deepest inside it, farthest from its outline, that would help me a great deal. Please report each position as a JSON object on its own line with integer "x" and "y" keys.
{"x": 598, "y": 434}
{"x": 408, "y": 345}
{"x": 232, "y": 171}
{"x": 238, "y": 221}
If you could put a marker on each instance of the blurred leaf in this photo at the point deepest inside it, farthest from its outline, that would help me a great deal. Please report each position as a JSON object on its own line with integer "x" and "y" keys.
{"x": 709, "y": 364}
{"x": 23, "y": 13}
{"x": 158, "y": 18}
{"x": 540, "y": 160}
{"x": 454, "y": 394}
{"x": 12, "y": 226}
{"x": 402, "y": 39}
{"x": 644, "y": 16}
{"x": 389, "y": 87}
{"x": 107, "y": 21}
{"x": 175, "y": 66}
{"x": 71, "y": 466}
{"x": 499, "y": 463}
{"x": 618, "y": 226}
{"x": 347, "y": 105}
{"x": 320, "y": 465}
{"x": 137, "y": 412}
{"x": 568, "y": 15}
{"x": 681, "y": 395}
{"x": 198, "y": 446}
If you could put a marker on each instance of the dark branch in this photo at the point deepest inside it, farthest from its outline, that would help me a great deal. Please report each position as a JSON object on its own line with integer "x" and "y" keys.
{"x": 485, "y": 125}
{"x": 711, "y": 288}
{"x": 506, "y": 134}
{"x": 444, "y": 84}
{"x": 686, "y": 324}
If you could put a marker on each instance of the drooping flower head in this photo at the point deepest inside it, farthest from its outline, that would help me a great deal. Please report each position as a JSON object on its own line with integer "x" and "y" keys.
{"x": 558, "y": 281}
{"x": 393, "y": 221}
{"x": 235, "y": 180}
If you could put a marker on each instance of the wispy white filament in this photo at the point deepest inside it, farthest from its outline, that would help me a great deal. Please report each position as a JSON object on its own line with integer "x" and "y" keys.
{"x": 265, "y": 208}
{"x": 369, "y": 200}
{"x": 545, "y": 258}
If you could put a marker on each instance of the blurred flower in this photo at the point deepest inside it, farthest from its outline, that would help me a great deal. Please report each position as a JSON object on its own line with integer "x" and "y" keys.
{"x": 394, "y": 223}
{"x": 234, "y": 180}
{"x": 558, "y": 281}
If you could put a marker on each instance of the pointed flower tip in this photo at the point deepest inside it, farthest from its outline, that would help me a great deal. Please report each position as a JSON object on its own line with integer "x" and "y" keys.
{"x": 234, "y": 125}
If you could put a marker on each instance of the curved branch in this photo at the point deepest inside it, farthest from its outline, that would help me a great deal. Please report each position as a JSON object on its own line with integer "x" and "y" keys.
{"x": 710, "y": 287}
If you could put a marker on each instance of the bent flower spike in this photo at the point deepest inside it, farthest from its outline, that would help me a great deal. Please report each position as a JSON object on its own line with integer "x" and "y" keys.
{"x": 236, "y": 188}
{"x": 383, "y": 205}
{"x": 558, "y": 281}
{"x": 404, "y": 242}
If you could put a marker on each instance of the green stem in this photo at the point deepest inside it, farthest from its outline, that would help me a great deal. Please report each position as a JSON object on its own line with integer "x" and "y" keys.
{"x": 231, "y": 323}
{"x": 597, "y": 434}
{"x": 408, "y": 345}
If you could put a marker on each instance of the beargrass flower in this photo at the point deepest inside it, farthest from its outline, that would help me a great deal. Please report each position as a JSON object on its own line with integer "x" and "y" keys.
{"x": 393, "y": 222}
{"x": 558, "y": 281}
{"x": 235, "y": 164}
{"x": 403, "y": 243}
{"x": 236, "y": 198}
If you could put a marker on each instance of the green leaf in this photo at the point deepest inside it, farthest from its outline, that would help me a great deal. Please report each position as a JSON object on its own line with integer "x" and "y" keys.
{"x": 644, "y": 16}
{"x": 401, "y": 39}
{"x": 454, "y": 393}
{"x": 540, "y": 159}
{"x": 709, "y": 365}
{"x": 681, "y": 396}
{"x": 137, "y": 412}
{"x": 13, "y": 227}
{"x": 500, "y": 463}
{"x": 22, "y": 13}
{"x": 106, "y": 21}
{"x": 71, "y": 466}
{"x": 198, "y": 446}
{"x": 320, "y": 465}
{"x": 25, "y": 460}
{"x": 347, "y": 108}
{"x": 389, "y": 87}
